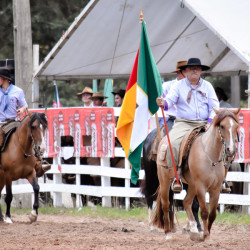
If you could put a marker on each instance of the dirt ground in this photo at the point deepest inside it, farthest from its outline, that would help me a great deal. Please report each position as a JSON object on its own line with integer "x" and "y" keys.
{"x": 79, "y": 232}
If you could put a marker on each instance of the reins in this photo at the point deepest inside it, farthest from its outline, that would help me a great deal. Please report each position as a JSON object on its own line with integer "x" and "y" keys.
{"x": 223, "y": 159}
{"x": 35, "y": 147}
{"x": 25, "y": 154}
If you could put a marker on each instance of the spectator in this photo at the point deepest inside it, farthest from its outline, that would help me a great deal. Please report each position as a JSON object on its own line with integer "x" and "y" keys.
{"x": 119, "y": 95}
{"x": 98, "y": 99}
{"x": 222, "y": 97}
{"x": 85, "y": 96}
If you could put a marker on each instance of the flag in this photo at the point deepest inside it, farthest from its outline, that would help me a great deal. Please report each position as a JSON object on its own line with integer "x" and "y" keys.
{"x": 56, "y": 100}
{"x": 108, "y": 89}
{"x": 139, "y": 104}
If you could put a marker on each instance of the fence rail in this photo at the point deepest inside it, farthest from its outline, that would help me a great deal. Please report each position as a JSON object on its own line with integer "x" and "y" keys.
{"x": 106, "y": 191}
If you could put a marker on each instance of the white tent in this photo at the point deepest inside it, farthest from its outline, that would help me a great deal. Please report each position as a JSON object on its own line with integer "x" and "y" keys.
{"x": 103, "y": 40}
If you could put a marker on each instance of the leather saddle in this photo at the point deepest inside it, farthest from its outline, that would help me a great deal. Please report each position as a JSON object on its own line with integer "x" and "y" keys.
{"x": 187, "y": 141}
{"x": 6, "y": 131}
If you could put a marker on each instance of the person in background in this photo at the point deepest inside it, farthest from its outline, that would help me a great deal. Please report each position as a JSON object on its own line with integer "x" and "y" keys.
{"x": 98, "y": 99}
{"x": 171, "y": 113}
{"x": 86, "y": 96}
{"x": 119, "y": 95}
{"x": 222, "y": 97}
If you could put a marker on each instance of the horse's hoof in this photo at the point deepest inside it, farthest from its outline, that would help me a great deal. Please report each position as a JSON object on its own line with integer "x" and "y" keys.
{"x": 169, "y": 237}
{"x": 33, "y": 216}
{"x": 195, "y": 236}
{"x": 202, "y": 237}
{"x": 8, "y": 220}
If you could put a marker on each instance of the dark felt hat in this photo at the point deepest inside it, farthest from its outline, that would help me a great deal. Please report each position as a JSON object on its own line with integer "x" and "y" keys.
{"x": 195, "y": 62}
{"x": 120, "y": 92}
{"x": 5, "y": 73}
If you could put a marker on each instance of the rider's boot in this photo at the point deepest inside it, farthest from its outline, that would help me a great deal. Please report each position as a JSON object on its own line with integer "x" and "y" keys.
{"x": 177, "y": 187}
{"x": 225, "y": 188}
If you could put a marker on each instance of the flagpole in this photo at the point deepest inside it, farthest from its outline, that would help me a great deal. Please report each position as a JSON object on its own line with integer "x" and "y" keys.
{"x": 170, "y": 147}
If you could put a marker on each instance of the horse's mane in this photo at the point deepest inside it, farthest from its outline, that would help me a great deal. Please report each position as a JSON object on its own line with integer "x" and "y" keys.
{"x": 222, "y": 114}
{"x": 41, "y": 117}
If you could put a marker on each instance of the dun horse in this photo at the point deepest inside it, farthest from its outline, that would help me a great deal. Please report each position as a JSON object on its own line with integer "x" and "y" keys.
{"x": 203, "y": 171}
{"x": 19, "y": 159}
{"x": 150, "y": 182}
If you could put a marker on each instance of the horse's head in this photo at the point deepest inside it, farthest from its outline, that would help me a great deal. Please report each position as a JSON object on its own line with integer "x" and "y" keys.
{"x": 38, "y": 125}
{"x": 227, "y": 123}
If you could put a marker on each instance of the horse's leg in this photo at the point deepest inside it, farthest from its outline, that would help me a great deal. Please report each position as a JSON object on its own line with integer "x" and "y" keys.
{"x": 34, "y": 213}
{"x": 2, "y": 183}
{"x": 195, "y": 210}
{"x": 213, "y": 202}
{"x": 201, "y": 196}
{"x": 8, "y": 200}
{"x": 163, "y": 204}
{"x": 187, "y": 203}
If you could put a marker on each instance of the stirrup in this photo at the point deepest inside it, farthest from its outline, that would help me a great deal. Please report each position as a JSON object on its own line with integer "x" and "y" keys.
{"x": 181, "y": 186}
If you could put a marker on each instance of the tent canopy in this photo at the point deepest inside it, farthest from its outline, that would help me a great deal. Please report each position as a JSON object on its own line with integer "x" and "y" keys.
{"x": 103, "y": 40}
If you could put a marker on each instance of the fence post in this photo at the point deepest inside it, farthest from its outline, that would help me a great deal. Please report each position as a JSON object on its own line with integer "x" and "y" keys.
{"x": 105, "y": 182}
{"x": 57, "y": 179}
{"x": 78, "y": 183}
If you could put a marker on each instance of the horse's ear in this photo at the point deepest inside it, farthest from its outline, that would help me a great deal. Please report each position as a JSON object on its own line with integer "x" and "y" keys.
{"x": 45, "y": 112}
{"x": 216, "y": 111}
{"x": 236, "y": 112}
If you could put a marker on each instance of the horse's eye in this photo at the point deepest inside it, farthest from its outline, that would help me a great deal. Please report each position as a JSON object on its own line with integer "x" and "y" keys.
{"x": 221, "y": 126}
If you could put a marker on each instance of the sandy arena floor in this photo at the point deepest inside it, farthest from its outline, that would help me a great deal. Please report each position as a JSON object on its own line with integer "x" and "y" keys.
{"x": 79, "y": 232}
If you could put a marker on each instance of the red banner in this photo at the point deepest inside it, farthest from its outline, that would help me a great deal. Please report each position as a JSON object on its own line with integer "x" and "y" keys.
{"x": 92, "y": 130}
{"x": 243, "y": 155}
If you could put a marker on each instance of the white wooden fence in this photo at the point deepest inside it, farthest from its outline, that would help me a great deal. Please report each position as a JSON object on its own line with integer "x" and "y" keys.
{"x": 106, "y": 191}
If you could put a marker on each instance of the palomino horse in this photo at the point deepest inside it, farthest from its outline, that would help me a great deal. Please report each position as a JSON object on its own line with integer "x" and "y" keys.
{"x": 19, "y": 159}
{"x": 204, "y": 171}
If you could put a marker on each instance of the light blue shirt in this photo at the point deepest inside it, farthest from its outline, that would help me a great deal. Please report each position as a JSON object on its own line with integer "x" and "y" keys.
{"x": 203, "y": 99}
{"x": 16, "y": 99}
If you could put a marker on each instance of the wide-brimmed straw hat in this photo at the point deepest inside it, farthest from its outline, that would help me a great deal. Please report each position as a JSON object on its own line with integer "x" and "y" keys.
{"x": 195, "y": 62}
{"x": 5, "y": 73}
{"x": 86, "y": 90}
{"x": 179, "y": 64}
{"x": 120, "y": 92}
{"x": 98, "y": 95}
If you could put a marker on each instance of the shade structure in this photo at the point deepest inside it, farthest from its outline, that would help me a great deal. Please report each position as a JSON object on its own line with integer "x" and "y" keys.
{"x": 103, "y": 40}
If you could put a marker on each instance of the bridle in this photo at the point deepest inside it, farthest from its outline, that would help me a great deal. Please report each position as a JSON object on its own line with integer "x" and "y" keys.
{"x": 35, "y": 147}
{"x": 227, "y": 160}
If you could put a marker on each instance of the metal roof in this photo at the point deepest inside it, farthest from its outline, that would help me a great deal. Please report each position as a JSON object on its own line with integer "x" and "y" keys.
{"x": 103, "y": 40}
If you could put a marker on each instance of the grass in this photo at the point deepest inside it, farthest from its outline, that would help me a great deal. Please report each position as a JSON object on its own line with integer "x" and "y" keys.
{"x": 135, "y": 213}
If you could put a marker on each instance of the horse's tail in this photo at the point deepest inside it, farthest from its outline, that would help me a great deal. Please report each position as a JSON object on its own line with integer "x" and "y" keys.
{"x": 158, "y": 219}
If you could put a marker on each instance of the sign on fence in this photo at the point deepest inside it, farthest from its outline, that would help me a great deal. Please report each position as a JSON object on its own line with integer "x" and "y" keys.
{"x": 92, "y": 130}
{"x": 244, "y": 137}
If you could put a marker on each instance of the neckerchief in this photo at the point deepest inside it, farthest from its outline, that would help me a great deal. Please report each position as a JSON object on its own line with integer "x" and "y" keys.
{"x": 194, "y": 88}
{"x": 6, "y": 93}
